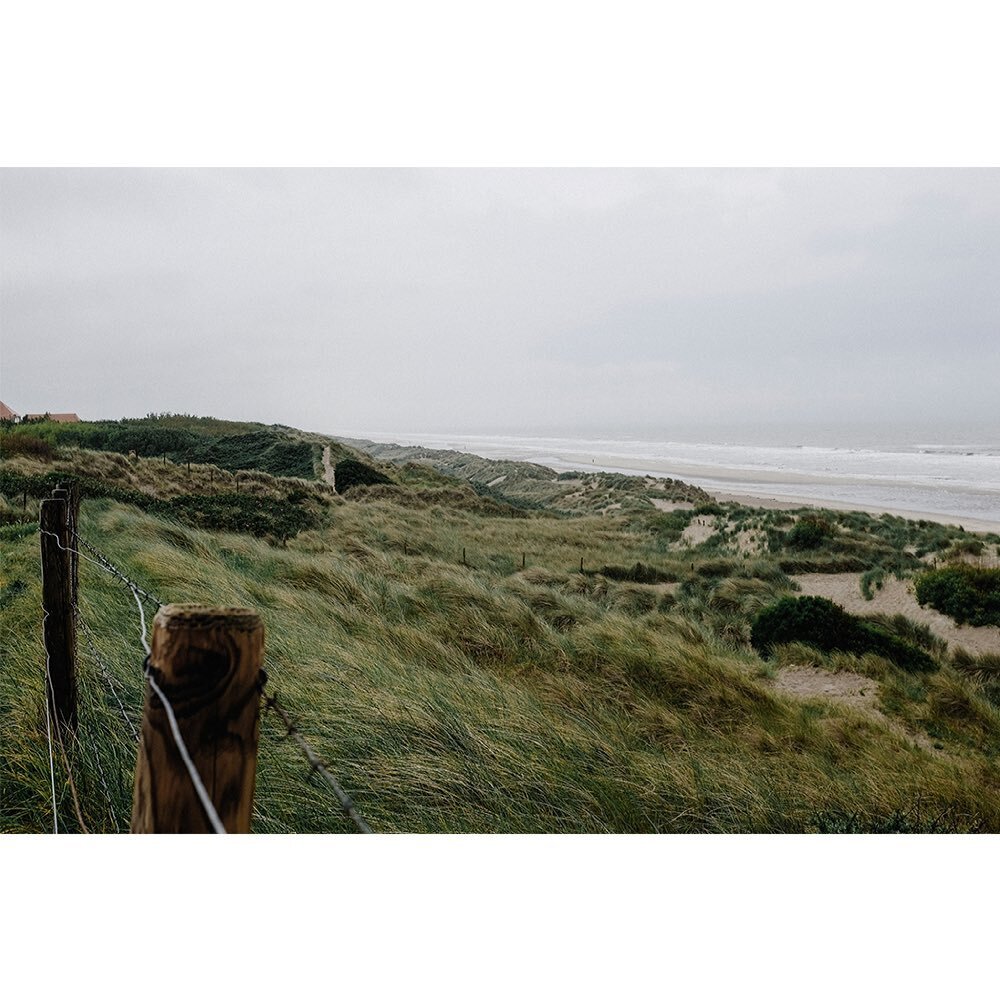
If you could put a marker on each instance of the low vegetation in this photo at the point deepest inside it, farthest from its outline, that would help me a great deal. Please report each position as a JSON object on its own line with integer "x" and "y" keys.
{"x": 827, "y": 626}
{"x": 968, "y": 594}
{"x": 507, "y": 691}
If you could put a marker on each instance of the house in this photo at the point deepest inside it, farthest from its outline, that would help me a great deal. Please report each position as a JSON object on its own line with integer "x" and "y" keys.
{"x": 6, "y": 413}
{"x": 59, "y": 418}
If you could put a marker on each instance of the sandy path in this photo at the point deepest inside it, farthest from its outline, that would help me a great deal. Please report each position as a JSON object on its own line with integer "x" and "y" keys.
{"x": 329, "y": 475}
{"x": 699, "y": 530}
{"x": 896, "y": 598}
{"x": 669, "y": 505}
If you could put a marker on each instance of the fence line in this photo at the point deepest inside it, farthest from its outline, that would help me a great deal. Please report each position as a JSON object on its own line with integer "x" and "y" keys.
{"x": 139, "y": 594}
{"x": 270, "y": 702}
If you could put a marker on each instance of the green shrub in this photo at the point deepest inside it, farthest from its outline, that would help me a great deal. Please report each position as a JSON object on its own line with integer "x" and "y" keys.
{"x": 708, "y": 507}
{"x": 808, "y": 533}
{"x": 26, "y": 444}
{"x": 827, "y": 626}
{"x": 350, "y": 472}
{"x": 240, "y": 512}
{"x": 967, "y": 594}
{"x": 266, "y": 450}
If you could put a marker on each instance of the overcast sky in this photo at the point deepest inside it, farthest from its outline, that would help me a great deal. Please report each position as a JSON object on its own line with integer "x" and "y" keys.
{"x": 452, "y": 300}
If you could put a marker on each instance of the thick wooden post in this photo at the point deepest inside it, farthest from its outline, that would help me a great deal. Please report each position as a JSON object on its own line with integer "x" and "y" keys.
{"x": 58, "y": 625}
{"x": 207, "y": 662}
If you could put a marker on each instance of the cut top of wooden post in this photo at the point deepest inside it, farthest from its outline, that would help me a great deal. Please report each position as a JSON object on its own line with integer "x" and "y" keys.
{"x": 207, "y": 661}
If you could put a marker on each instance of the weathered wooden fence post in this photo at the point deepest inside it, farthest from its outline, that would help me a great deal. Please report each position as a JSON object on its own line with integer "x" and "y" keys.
{"x": 58, "y": 624}
{"x": 72, "y": 491}
{"x": 207, "y": 661}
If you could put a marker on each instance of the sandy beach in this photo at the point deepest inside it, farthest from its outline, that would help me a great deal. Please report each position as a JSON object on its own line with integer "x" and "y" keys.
{"x": 760, "y": 489}
{"x": 793, "y": 503}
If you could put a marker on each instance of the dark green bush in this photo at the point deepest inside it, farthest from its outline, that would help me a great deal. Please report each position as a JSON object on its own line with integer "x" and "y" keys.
{"x": 239, "y": 512}
{"x": 827, "y": 626}
{"x": 266, "y": 450}
{"x": 968, "y": 594}
{"x": 26, "y": 444}
{"x": 350, "y": 472}
{"x": 808, "y": 533}
{"x": 708, "y": 507}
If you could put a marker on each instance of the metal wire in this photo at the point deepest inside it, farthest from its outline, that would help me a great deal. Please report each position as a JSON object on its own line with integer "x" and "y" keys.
{"x": 110, "y": 567}
{"x": 346, "y": 802}
{"x": 95, "y": 652}
{"x": 199, "y": 787}
{"x": 271, "y": 702}
{"x": 139, "y": 594}
{"x": 48, "y": 733}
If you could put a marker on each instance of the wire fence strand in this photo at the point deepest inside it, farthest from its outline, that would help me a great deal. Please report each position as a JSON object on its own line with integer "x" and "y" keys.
{"x": 199, "y": 786}
{"x": 110, "y": 567}
{"x": 140, "y": 594}
{"x": 48, "y": 734}
{"x": 105, "y": 671}
{"x": 346, "y": 802}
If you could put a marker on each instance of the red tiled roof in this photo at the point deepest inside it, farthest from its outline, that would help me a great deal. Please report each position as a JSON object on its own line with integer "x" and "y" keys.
{"x": 59, "y": 418}
{"x": 6, "y": 413}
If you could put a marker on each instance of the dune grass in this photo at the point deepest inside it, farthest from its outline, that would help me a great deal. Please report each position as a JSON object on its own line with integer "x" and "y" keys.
{"x": 483, "y": 697}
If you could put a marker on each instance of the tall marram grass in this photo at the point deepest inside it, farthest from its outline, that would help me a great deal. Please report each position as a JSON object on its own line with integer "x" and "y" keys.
{"x": 480, "y": 697}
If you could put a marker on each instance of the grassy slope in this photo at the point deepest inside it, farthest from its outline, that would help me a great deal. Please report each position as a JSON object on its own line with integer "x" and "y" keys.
{"x": 487, "y": 698}
{"x": 532, "y": 486}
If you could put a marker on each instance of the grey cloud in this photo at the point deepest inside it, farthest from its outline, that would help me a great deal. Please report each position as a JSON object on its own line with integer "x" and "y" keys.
{"x": 454, "y": 299}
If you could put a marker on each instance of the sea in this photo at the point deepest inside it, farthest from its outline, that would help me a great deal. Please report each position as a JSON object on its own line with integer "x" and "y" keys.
{"x": 949, "y": 473}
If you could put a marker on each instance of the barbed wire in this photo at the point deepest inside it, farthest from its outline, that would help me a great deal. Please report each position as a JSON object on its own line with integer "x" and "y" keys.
{"x": 102, "y": 665}
{"x": 139, "y": 594}
{"x": 346, "y": 802}
{"x": 111, "y": 568}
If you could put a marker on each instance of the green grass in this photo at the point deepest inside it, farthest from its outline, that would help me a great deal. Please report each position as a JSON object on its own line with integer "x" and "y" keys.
{"x": 484, "y": 697}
